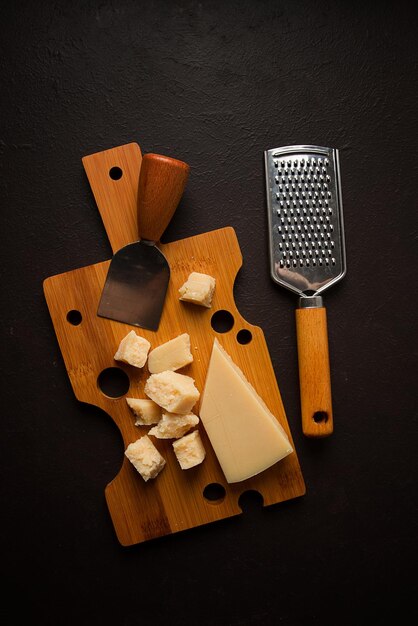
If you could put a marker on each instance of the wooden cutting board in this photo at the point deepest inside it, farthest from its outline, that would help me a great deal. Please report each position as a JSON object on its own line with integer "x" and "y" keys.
{"x": 176, "y": 500}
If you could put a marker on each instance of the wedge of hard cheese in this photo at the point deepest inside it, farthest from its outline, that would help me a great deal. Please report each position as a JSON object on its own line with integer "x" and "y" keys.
{"x": 172, "y": 355}
{"x": 245, "y": 435}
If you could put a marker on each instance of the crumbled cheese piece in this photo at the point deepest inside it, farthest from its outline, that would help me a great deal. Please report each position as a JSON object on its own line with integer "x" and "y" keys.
{"x": 145, "y": 457}
{"x": 189, "y": 450}
{"x": 199, "y": 289}
{"x": 174, "y": 426}
{"x": 176, "y": 393}
{"x": 133, "y": 350}
{"x": 146, "y": 411}
{"x": 171, "y": 355}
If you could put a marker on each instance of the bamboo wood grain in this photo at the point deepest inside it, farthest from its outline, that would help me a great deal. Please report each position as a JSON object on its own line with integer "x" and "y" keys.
{"x": 314, "y": 372}
{"x": 174, "y": 501}
{"x": 124, "y": 164}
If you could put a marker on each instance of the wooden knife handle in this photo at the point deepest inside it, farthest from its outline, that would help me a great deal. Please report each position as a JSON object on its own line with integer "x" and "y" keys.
{"x": 314, "y": 372}
{"x": 161, "y": 184}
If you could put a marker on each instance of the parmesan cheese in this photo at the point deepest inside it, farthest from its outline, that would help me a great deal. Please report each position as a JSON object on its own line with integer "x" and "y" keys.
{"x": 171, "y": 355}
{"x": 246, "y": 437}
{"x": 189, "y": 450}
{"x": 146, "y": 411}
{"x": 145, "y": 457}
{"x": 133, "y": 350}
{"x": 198, "y": 289}
{"x": 174, "y": 426}
{"x": 176, "y": 393}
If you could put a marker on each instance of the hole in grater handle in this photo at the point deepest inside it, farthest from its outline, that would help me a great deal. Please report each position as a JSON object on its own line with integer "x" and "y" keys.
{"x": 320, "y": 417}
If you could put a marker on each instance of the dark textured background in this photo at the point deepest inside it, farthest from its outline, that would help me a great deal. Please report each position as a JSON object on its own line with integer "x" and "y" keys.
{"x": 215, "y": 84}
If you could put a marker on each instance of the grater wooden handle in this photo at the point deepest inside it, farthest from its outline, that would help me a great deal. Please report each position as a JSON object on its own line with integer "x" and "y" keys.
{"x": 161, "y": 184}
{"x": 314, "y": 372}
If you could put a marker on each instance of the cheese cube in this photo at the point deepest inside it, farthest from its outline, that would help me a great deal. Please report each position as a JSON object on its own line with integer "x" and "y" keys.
{"x": 145, "y": 457}
{"x": 176, "y": 393}
{"x": 133, "y": 350}
{"x": 145, "y": 410}
{"x": 171, "y": 355}
{"x": 199, "y": 289}
{"x": 189, "y": 450}
{"x": 174, "y": 426}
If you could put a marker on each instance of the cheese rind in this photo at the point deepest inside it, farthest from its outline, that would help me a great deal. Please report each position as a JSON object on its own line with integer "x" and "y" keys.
{"x": 199, "y": 289}
{"x": 145, "y": 457}
{"x": 171, "y": 355}
{"x": 133, "y": 350}
{"x": 246, "y": 437}
{"x": 145, "y": 410}
{"x": 174, "y": 426}
{"x": 189, "y": 450}
{"x": 176, "y": 393}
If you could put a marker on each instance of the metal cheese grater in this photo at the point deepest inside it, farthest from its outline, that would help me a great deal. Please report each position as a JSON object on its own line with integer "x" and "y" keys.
{"x": 307, "y": 255}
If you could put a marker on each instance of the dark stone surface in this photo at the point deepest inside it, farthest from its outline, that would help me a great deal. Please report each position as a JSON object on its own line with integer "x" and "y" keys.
{"x": 215, "y": 84}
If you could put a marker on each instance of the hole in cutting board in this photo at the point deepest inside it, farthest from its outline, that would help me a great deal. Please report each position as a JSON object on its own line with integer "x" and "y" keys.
{"x": 222, "y": 321}
{"x": 115, "y": 173}
{"x": 214, "y": 493}
{"x": 113, "y": 382}
{"x": 74, "y": 317}
{"x": 244, "y": 336}
{"x": 250, "y": 501}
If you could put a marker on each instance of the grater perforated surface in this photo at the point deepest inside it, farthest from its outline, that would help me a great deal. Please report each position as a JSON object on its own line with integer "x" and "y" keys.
{"x": 305, "y": 217}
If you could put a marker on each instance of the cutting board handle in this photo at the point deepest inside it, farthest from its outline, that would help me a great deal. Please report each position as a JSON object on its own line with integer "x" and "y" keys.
{"x": 161, "y": 184}
{"x": 314, "y": 372}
